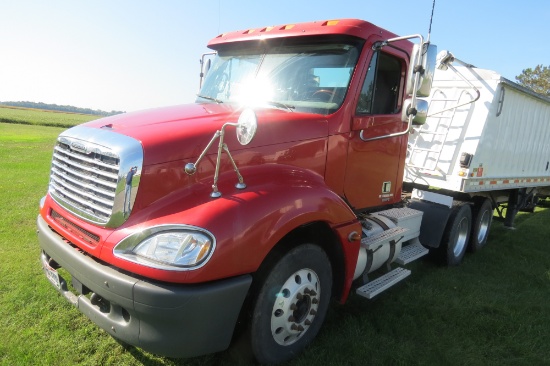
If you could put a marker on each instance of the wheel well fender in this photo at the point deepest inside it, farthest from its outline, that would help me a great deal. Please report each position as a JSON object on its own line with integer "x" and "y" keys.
{"x": 318, "y": 233}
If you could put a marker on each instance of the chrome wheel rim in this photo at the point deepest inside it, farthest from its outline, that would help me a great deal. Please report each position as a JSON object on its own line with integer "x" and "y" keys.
{"x": 484, "y": 223}
{"x": 295, "y": 307}
{"x": 461, "y": 237}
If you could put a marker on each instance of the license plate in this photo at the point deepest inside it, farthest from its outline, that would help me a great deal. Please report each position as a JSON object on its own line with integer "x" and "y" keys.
{"x": 52, "y": 275}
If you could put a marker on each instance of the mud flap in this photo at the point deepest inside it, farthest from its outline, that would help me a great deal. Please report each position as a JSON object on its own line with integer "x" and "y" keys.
{"x": 434, "y": 222}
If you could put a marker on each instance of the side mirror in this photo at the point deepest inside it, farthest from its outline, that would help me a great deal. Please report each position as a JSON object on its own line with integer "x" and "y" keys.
{"x": 206, "y": 62}
{"x": 424, "y": 56}
{"x": 421, "y": 111}
{"x": 206, "y": 67}
{"x": 246, "y": 126}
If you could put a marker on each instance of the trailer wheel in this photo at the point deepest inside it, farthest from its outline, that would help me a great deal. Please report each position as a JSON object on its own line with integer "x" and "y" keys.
{"x": 291, "y": 304}
{"x": 483, "y": 216}
{"x": 455, "y": 239}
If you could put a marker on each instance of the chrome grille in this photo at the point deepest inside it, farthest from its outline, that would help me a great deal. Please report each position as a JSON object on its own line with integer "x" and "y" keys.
{"x": 88, "y": 173}
{"x": 84, "y": 180}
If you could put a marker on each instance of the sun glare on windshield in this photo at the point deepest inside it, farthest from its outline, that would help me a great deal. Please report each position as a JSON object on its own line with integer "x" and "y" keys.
{"x": 305, "y": 77}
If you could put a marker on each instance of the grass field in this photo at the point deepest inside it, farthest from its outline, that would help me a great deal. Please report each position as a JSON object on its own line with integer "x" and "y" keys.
{"x": 39, "y": 117}
{"x": 492, "y": 310}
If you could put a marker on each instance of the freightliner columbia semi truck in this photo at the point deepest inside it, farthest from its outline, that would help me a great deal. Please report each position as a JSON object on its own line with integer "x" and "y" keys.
{"x": 317, "y": 161}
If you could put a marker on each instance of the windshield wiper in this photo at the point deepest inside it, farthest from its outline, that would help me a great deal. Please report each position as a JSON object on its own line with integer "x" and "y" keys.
{"x": 210, "y": 98}
{"x": 289, "y": 108}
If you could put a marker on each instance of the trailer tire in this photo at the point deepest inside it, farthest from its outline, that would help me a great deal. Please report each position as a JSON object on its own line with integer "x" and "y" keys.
{"x": 482, "y": 219}
{"x": 456, "y": 235}
{"x": 291, "y": 304}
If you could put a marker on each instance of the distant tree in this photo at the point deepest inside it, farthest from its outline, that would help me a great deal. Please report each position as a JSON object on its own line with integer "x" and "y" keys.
{"x": 538, "y": 80}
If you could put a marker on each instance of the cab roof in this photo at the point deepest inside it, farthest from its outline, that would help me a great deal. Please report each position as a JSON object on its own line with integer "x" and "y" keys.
{"x": 353, "y": 27}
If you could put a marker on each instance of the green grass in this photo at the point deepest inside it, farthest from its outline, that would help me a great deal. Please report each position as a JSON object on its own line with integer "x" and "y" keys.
{"x": 39, "y": 117}
{"x": 492, "y": 310}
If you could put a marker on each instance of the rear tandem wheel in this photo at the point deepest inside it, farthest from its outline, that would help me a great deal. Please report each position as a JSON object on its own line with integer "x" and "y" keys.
{"x": 456, "y": 235}
{"x": 483, "y": 216}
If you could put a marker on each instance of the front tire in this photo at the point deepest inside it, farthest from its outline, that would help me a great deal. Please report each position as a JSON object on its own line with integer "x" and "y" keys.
{"x": 455, "y": 239}
{"x": 291, "y": 304}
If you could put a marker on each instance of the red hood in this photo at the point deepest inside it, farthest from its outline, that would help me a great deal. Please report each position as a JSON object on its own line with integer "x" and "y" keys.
{"x": 182, "y": 132}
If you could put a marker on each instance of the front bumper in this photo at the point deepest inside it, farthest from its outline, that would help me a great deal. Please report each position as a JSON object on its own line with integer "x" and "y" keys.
{"x": 166, "y": 319}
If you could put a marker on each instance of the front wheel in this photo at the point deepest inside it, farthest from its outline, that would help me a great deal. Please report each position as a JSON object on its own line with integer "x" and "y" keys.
{"x": 291, "y": 304}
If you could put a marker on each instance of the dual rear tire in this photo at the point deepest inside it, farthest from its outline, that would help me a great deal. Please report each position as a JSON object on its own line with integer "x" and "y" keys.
{"x": 467, "y": 228}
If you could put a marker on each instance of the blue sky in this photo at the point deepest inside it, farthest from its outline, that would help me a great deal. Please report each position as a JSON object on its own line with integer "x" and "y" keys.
{"x": 134, "y": 54}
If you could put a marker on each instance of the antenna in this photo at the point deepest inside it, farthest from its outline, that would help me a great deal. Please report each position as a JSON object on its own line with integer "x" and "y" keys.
{"x": 431, "y": 19}
{"x": 219, "y": 14}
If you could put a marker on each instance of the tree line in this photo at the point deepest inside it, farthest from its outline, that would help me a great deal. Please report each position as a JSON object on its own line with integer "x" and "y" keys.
{"x": 537, "y": 79}
{"x": 61, "y": 108}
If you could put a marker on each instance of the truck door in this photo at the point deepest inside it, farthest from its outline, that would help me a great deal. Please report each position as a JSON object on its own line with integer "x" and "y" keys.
{"x": 375, "y": 168}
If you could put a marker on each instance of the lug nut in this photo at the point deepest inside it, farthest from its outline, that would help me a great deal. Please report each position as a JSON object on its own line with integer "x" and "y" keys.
{"x": 310, "y": 292}
{"x": 315, "y": 301}
{"x": 291, "y": 319}
{"x": 313, "y": 312}
{"x": 293, "y": 307}
{"x": 299, "y": 328}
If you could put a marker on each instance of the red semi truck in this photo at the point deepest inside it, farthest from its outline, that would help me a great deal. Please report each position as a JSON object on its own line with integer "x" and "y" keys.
{"x": 279, "y": 189}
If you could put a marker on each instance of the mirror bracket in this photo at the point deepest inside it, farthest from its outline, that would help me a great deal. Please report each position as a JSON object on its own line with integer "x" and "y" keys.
{"x": 247, "y": 121}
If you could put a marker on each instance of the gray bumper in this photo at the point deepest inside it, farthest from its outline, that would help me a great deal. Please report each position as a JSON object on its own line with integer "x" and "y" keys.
{"x": 166, "y": 319}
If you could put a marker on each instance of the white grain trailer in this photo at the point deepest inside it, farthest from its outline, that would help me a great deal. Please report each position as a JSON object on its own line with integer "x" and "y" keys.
{"x": 486, "y": 142}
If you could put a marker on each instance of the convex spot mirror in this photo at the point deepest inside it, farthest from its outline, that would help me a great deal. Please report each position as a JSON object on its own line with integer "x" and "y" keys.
{"x": 206, "y": 67}
{"x": 421, "y": 111}
{"x": 428, "y": 54}
{"x": 246, "y": 126}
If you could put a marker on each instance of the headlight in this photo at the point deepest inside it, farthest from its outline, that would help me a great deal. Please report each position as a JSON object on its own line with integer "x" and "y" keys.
{"x": 169, "y": 247}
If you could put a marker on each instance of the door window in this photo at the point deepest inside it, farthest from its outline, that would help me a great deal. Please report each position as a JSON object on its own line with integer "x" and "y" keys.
{"x": 381, "y": 89}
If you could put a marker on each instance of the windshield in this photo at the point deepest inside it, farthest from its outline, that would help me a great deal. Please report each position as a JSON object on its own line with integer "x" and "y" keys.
{"x": 308, "y": 77}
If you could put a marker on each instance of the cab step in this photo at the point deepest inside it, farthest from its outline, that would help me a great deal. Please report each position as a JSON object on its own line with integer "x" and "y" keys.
{"x": 373, "y": 242}
{"x": 410, "y": 253}
{"x": 383, "y": 283}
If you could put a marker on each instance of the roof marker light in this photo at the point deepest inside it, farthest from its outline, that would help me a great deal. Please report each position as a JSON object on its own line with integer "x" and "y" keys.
{"x": 287, "y": 27}
{"x": 330, "y": 22}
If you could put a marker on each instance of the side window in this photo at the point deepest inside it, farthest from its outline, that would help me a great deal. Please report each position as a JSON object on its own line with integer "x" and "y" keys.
{"x": 380, "y": 92}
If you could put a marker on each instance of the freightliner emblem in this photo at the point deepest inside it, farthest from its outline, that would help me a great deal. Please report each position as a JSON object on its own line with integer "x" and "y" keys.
{"x": 78, "y": 146}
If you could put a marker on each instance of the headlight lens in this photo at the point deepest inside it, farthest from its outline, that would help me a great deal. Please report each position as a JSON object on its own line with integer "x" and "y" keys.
{"x": 184, "y": 249}
{"x": 168, "y": 248}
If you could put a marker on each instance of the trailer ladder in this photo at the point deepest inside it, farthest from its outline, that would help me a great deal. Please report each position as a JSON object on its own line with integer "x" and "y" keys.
{"x": 439, "y": 129}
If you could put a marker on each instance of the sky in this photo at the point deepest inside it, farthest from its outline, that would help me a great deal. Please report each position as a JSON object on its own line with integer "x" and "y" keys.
{"x": 128, "y": 55}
